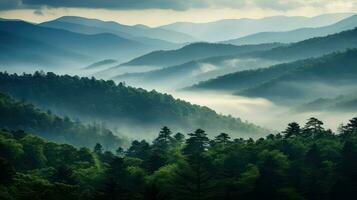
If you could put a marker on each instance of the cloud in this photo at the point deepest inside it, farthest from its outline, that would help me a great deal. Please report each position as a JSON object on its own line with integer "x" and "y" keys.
{"x": 9, "y": 4}
{"x": 280, "y": 5}
{"x": 38, "y": 12}
{"x": 106, "y": 4}
{"x": 179, "y": 5}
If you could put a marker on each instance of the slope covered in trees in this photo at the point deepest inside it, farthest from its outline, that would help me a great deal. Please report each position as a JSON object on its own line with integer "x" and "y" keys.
{"x": 196, "y": 51}
{"x": 19, "y": 115}
{"x": 284, "y": 80}
{"x": 306, "y": 162}
{"x": 342, "y": 103}
{"x": 328, "y": 76}
{"x": 313, "y": 47}
{"x": 120, "y": 106}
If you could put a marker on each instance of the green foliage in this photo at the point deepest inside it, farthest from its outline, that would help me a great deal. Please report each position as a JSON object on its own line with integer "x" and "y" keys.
{"x": 116, "y": 104}
{"x": 308, "y": 163}
{"x": 20, "y": 115}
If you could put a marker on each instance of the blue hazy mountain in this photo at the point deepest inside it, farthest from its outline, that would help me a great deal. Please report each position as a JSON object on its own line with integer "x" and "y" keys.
{"x": 94, "y": 47}
{"x": 86, "y": 29}
{"x": 101, "y": 64}
{"x": 327, "y": 76}
{"x": 313, "y": 47}
{"x": 183, "y": 75}
{"x": 296, "y": 35}
{"x": 234, "y": 28}
{"x": 342, "y": 103}
{"x": 193, "y": 52}
{"x": 134, "y": 31}
{"x": 16, "y": 50}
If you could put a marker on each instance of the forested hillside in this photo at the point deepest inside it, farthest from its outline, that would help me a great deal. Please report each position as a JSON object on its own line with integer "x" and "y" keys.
{"x": 121, "y": 107}
{"x": 289, "y": 80}
{"x": 194, "y": 52}
{"x": 313, "y": 47}
{"x": 19, "y": 115}
{"x": 306, "y": 162}
{"x": 328, "y": 76}
{"x": 342, "y": 103}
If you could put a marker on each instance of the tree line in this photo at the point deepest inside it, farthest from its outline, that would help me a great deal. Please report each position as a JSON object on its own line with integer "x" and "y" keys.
{"x": 301, "y": 162}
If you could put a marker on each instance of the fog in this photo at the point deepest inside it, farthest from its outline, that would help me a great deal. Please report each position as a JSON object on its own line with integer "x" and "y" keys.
{"x": 260, "y": 111}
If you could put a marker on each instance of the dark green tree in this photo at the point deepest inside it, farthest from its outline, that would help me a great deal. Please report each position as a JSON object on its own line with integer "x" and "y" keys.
{"x": 7, "y": 172}
{"x": 222, "y": 138}
{"x": 293, "y": 129}
{"x": 98, "y": 148}
{"x": 313, "y": 127}
{"x": 179, "y": 138}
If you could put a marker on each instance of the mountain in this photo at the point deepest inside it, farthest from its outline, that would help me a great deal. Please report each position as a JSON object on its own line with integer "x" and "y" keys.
{"x": 194, "y": 52}
{"x": 95, "y": 47}
{"x": 19, "y": 115}
{"x": 84, "y": 29}
{"x": 17, "y": 50}
{"x": 126, "y": 109}
{"x": 304, "y": 80}
{"x": 101, "y": 64}
{"x": 184, "y": 75}
{"x": 342, "y": 103}
{"x": 313, "y": 47}
{"x": 327, "y": 76}
{"x": 234, "y": 28}
{"x": 245, "y": 57}
{"x": 134, "y": 31}
{"x": 296, "y": 35}
{"x": 245, "y": 79}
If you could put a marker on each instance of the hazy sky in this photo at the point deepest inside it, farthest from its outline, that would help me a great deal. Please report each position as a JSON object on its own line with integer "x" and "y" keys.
{"x": 159, "y": 12}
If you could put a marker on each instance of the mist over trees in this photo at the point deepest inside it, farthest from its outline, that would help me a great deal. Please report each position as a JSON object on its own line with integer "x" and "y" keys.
{"x": 301, "y": 162}
{"x": 19, "y": 115}
{"x": 117, "y": 105}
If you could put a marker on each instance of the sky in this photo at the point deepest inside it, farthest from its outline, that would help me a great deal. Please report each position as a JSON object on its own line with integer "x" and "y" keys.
{"x": 160, "y": 12}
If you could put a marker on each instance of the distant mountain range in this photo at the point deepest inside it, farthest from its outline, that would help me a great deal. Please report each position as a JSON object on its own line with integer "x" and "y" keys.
{"x": 183, "y": 75}
{"x": 18, "y": 50}
{"x": 193, "y": 66}
{"x": 92, "y": 47}
{"x": 74, "y": 42}
{"x": 313, "y": 47}
{"x": 94, "y": 26}
{"x": 296, "y": 35}
{"x": 234, "y": 28}
{"x": 195, "y": 51}
{"x": 260, "y": 56}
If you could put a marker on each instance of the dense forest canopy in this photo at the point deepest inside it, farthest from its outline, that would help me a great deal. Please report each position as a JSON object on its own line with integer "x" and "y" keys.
{"x": 19, "y": 115}
{"x": 307, "y": 162}
{"x": 90, "y": 99}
